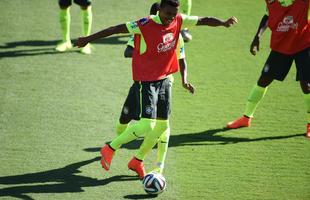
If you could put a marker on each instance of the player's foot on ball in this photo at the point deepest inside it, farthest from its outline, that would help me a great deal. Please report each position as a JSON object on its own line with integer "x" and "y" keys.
{"x": 137, "y": 166}
{"x": 86, "y": 50}
{"x": 186, "y": 35}
{"x": 240, "y": 122}
{"x": 107, "y": 154}
{"x": 308, "y": 131}
{"x": 64, "y": 46}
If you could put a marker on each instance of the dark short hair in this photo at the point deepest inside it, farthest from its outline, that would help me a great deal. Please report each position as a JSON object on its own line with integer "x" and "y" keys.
{"x": 174, "y": 3}
{"x": 154, "y": 8}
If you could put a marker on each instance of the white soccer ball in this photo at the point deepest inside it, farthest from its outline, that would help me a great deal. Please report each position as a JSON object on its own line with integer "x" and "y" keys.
{"x": 154, "y": 183}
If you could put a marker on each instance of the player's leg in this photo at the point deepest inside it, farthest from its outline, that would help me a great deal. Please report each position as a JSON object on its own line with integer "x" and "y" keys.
{"x": 131, "y": 133}
{"x": 302, "y": 61}
{"x": 276, "y": 67}
{"x": 64, "y": 19}
{"x": 136, "y": 163}
{"x": 162, "y": 122}
{"x": 162, "y": 148}
{"x": 87, "y": 18}
{"x": 130, "y": 109}
{"x": 150, "y": 91}
{"x": 306, "y": 84}
{"x": 185, "y": 8}
{"x": 163, "y": 142}
{"x": 143, "y": 126}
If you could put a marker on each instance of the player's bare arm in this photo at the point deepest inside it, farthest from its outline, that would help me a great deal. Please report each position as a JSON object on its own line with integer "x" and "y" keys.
{"x": 261, "y": 29}
{"x": 213, "y": 21}
{"x": 183, "y": 70}
{"x": 82, "y": 41}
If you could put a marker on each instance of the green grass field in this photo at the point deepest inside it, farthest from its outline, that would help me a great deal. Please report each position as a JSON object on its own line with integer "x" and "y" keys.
{"x": 58, "y": 109}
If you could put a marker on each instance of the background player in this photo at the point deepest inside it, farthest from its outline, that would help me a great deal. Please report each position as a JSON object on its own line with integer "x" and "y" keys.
{"x": 65, "y": 21}
{"x": 289, "y": 22}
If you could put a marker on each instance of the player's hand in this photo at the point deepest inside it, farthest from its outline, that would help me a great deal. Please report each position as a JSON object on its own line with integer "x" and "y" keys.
{"x": 230, "y": 22}
{"x": 81, "y": 42}
{"x": 254, "y": 46}
{"x": 189, "y": 87}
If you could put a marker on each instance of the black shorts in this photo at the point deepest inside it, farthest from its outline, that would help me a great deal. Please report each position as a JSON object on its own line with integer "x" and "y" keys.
{"x": 67, "y": 3}
{"x": 131, "y": 109}
{"x": 278, "y": 65}
{"x": 148, "y": 100}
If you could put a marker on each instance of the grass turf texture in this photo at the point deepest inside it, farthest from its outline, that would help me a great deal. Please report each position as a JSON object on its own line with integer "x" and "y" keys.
{"x": 58, "y": 109}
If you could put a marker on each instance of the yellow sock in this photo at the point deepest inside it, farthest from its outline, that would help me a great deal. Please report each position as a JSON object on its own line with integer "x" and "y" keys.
{"x": 65, "y": 19}
{"x": 87, "y": 19}
{"x": 256, "y": 95}
{"x": 151, "y": 138}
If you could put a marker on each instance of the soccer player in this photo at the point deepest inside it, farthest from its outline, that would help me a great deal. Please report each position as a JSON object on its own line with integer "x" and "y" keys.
{"x": 289, "y": 22}
{"x": 152, "y": 63}
{"x": 130, "y": 111}
{"x": 65, "y": 19}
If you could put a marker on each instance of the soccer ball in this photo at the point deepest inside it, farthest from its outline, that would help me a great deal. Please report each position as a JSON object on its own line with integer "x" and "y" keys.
{"x": 154, "y": 183}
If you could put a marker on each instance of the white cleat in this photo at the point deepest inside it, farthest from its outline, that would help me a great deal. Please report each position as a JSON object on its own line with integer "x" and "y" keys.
{"x": 63, "y": 46}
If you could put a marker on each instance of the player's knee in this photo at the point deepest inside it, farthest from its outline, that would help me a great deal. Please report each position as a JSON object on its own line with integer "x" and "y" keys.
{"x": 147, "y": 125}
{"x": 165, "y": 136}
{"x": 305, "y": 86}
{"x": 162, "y": 126}
{"x": 124, "y": 119}
{"x": 83, "y": 3}
{"x": 84, "y": 7}
{"x": 64, "y": 4}
{"x": 264, "y": 81}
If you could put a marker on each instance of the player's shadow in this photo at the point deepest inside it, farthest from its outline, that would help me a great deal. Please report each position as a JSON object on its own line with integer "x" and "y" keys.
{"x": 43, "y": 47}
{"x": 140, "y": 196}
{"x": 61, "y": 180}
{"x": 207, "y": 137}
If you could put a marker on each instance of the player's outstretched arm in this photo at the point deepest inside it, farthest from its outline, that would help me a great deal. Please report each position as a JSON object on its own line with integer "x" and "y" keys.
{"x": 183, "y": 71}
{"x": 83, "y": 41}
{"x": 213, "y": 21}
{"x": 261, "y": 29}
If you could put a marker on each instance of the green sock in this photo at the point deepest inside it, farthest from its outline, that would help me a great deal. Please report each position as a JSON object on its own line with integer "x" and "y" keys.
{"x": 143, "y": 126}
{"x": 151, "y": 138}
{"x": 162, "y": 148}
{"x": 307, "y": 101}
{"x": 256, "y": 95}
{"x": 186, "y": 7}
{"x": 87, "y": 18}
{"x": 65, "y": 19}
{"x": 120, "y": 128}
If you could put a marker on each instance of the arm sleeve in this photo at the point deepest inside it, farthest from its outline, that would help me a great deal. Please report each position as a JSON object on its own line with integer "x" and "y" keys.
{"x": 133, "y": 27}
{"x": 189, "y": 21}
{"x": 130, "y": 42}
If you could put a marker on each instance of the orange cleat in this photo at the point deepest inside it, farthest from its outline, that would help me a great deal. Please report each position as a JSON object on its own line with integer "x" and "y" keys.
{"x": 240, "y": 122}
{"x": 107, "y": 154}
{"x": 308, "y": 131}
{"x": 137, "y": 166}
